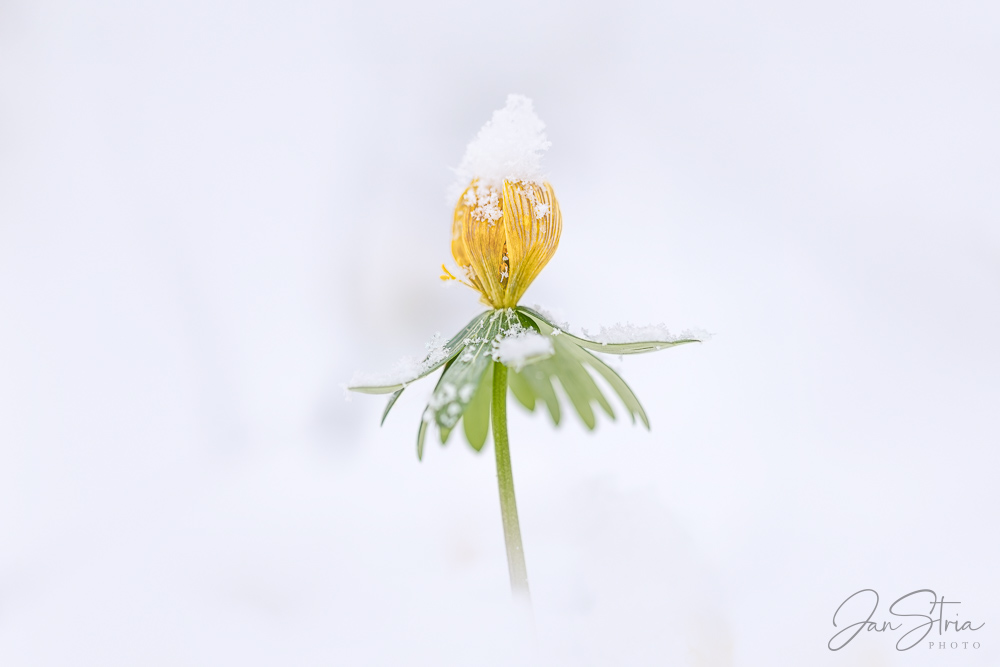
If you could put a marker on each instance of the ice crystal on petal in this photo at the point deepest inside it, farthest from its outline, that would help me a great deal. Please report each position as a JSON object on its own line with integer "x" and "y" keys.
{"x": 487, "y": 203}
{"x": 541, "y": 209}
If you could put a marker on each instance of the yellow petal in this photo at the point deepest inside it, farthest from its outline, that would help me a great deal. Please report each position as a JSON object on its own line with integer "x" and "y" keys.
{"x": 533, "y": 224}
{"x": 463, "y": 215}
{"x": 484, "y": 241}
{"x": 459, "y": 250}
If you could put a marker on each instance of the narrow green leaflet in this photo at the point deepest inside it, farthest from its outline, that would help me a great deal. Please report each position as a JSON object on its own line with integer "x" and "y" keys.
{"x": 446, "y": 354}
{"x": 617, "y": 383}
{"x": 607, "y": 348}
{"x": 476, "y": 418}
{"x": 426, "y": 419}
{"x": 577, "y": 382}
{"x": 521, "y": 389}
{"x": 421, "y": 434}
{"x": 392, "y": 401}
{"x": 538, "y": 377}
{"x": 578, "y": 395}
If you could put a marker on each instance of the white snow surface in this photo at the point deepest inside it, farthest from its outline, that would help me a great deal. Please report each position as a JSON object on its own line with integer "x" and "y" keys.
{"x": 632, "y": 333}
{"x": 405, "y": 370}
{"x": 508, "y": 147}
{"x": 521, "y": 349}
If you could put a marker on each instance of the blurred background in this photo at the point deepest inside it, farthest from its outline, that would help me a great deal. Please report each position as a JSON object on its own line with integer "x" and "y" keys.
{"x": 212, "y": 213}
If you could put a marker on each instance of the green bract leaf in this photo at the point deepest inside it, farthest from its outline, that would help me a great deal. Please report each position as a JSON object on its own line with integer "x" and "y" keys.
{"x": 460, "y": 380}
{"x": 446, "y": 354}
{"x": 607, "y": 348}
{"x": 464, "y": 390}
{"x": 569, "y": 365}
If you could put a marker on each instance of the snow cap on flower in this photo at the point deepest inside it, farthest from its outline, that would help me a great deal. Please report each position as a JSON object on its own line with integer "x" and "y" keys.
{"x": 509, "y": 147}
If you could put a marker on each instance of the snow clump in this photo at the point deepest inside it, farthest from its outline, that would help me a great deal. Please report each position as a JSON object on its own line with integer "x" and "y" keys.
{"x": 522, "y": 348}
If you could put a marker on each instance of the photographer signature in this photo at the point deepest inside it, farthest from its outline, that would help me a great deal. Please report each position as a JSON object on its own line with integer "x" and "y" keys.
{"x": 906, "y": 607}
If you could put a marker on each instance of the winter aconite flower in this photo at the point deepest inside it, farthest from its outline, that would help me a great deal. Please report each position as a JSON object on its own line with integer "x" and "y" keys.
{"x": 503, "y": 236}
{"x": 505, "y": 229}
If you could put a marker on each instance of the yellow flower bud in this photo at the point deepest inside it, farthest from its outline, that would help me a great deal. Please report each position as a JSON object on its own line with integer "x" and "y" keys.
{"x": 503, "y": 237}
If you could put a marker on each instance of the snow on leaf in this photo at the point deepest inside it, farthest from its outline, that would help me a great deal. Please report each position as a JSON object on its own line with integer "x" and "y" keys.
{"x": 631, "y": 333}
{"x": 406, "y": 369}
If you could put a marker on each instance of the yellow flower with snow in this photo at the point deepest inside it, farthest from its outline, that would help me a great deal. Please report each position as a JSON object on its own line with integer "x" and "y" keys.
{"x": 505, "y": 229}
{"x": 503, "y": 237}
{"x": 507, "y": 220}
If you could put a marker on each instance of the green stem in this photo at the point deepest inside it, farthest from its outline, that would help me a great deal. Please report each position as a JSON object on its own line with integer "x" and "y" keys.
{"x": 505, "y": 480}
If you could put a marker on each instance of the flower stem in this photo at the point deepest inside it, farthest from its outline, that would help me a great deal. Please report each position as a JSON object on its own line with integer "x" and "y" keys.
{"x": 505, "y": 480}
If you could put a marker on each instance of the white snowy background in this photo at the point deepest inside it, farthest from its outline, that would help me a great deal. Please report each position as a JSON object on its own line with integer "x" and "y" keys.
{"x": 212, "y": 214}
